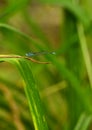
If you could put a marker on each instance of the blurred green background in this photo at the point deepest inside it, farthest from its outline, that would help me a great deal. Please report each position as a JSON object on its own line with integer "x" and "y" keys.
{"x": 64, "y": 85}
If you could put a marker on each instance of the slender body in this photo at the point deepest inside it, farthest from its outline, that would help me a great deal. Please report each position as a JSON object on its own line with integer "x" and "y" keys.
{"x": 31, "y": 54}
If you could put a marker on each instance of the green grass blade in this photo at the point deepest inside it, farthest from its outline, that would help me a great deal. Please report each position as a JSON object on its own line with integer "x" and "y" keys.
{"x": 31, "y": 93}
{"x": 33, "y": 96}
{"x": 17, "y": 31}
{"x": 22, "y": 34}
{"x": 85, "y": 51}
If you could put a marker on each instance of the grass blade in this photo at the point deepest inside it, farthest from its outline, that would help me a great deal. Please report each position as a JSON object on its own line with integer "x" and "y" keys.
{"x": 31, "y": 93}
{"x": 85, "y": 51}
{"x": 33, "y": 96}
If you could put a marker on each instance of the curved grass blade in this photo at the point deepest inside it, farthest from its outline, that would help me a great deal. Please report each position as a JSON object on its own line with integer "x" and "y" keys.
{"x": 31, "y": 92}
{"x": 85, "y": 51}
{"x": 18, "y": 56}
{"x": 17, "y": 31}
{"x": 33, "y": 96}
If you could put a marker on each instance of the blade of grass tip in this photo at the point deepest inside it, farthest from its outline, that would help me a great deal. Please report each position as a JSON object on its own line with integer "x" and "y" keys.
{"x": 32, "y": 96}
{"x": 85, "y": 51}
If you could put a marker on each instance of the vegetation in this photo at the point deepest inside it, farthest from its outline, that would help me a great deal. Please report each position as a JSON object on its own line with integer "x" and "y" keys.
{"x": 45, "y": 92}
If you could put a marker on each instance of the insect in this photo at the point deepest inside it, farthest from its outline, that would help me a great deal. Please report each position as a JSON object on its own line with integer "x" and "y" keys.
{"x": 31, "y": 54}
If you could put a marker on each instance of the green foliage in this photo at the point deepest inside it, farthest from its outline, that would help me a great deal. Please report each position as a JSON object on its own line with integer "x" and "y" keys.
{"x": 58, "y": 94}
{"x": 32, "y": 94}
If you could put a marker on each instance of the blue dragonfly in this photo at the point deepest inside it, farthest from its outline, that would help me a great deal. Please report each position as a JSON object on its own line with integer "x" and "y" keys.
{"x": 31, "y": 54}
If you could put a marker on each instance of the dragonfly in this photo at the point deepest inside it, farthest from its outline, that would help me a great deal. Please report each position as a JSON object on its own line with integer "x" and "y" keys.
{"x": 31, "y": 54}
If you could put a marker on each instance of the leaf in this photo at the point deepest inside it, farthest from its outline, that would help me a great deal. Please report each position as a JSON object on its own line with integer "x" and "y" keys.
{"x": 31, "y": 91}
